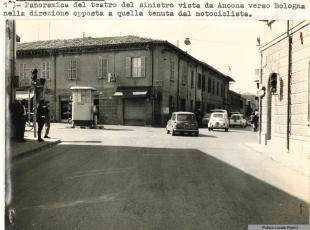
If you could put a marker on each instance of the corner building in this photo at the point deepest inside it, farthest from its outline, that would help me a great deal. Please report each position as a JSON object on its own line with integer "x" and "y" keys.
{"x": 139, "y": 81}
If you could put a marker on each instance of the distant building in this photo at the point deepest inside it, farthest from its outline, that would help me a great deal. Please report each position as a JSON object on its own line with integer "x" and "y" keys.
{"x": 284, "y": 90}
{"x": 139, "y": 81}
{"x": 251, "y": 103}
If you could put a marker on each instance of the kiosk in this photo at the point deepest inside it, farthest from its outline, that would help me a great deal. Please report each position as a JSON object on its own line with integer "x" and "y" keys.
{"x": 82, "y": 105}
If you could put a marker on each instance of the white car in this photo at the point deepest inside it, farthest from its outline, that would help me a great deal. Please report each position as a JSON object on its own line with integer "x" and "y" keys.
{"x": 237, "y": 120}
{"x": 218, "y": 121}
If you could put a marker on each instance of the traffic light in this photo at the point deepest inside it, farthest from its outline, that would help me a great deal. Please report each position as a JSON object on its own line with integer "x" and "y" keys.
{"x": 273, "y": 81}
{"x": 34, "y": 75}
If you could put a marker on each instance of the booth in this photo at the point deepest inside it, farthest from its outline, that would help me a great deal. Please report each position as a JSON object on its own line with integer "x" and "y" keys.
{"x": 82, "y": 105}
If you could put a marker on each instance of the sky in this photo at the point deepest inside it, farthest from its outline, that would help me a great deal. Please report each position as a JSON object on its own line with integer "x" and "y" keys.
{"x": 227, "y": 45}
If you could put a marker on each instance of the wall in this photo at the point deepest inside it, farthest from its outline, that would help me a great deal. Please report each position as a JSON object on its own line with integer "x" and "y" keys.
{"x": 274, "y": 106}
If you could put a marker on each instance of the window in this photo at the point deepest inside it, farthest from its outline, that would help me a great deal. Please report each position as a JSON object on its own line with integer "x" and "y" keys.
{"x": 213, "y": 87}
{"x": 72, "y": 67}
{"x": 184, "y": 73}
{"x": 102, "y": 67}
{"x": 171, "y": 70}
{"x": 199, "y": 81}
{"x": 22, "y": 71}
{"x": 183, "y": 104}
{"x": 135, "y": 67}
{"x": 222, "y": 90}
{"x": 45, "y": 70}
{"x": 209, "y": 85}
{"x": 192, "y": 105}
{"x": 192, "y": 79}
{"x": 82, "y": 96}
{"x": 203, "y": 83}
{"x": 217, "y": 89}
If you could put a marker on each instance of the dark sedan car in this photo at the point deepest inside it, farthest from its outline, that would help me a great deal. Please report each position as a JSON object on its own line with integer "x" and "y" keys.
{"x": 182, "y": 122}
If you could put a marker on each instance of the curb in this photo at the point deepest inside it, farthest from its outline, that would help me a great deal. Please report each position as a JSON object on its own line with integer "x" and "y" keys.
{"x": 31, "y": 151}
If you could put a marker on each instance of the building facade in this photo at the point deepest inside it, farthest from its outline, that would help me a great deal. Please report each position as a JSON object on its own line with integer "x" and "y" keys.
{"x": 284, "y": 92}
{"x": 138, "y": 81}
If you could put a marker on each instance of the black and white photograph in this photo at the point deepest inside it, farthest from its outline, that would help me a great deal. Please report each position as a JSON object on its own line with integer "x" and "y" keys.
{"x": 156, "y": 124}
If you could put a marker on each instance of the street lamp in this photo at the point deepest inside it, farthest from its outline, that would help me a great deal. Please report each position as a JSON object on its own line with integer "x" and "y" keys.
{"x": 187, "y": 41}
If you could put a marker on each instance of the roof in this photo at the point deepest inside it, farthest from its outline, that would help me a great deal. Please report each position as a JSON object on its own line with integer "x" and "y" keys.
{"x": 83, "y": 42}
{"x": 90, "y": 42}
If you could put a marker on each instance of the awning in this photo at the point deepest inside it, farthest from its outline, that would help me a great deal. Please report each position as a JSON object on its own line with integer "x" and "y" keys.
{"x": 20, "y": 95}
{"x": 132, "y": 92}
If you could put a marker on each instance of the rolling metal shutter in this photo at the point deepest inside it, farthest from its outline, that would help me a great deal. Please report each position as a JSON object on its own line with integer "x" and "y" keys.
{"x": 134, "y": 111}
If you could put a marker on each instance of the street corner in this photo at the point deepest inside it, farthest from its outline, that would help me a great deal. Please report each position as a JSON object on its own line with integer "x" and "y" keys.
{"x": 29, "y": 146}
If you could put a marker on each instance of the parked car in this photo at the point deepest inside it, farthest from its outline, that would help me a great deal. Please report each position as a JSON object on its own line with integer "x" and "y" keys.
{"x": 237, "y": 120}
{"x": 218, "y": 121}
{"x": 205, "y": 119}
{"x": 182, "y": 122}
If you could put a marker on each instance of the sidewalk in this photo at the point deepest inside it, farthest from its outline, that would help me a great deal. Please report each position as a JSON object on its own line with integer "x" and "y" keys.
{"x": 31, "y": 145}
{"x": 282, "y": 156}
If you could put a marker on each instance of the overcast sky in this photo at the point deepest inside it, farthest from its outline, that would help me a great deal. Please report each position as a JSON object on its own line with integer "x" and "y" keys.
{"x": 222, "y": 44}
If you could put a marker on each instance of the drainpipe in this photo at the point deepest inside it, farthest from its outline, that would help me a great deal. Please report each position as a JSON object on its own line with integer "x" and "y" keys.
{"x": 288, "y": 127}
{"x": 260, "y": 101}
{"x": 178, "y": 85}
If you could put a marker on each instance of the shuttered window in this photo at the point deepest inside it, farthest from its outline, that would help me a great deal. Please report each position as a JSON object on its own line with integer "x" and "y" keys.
{"x": 203, "y": 82}
{"x": 171, "y": 70}
{"x": 135, "y": 67}
{"x": 199, "y": 81}
{"x": 192, "y": 79}
{"x": 103, "y": 64}
{"x": 72, "y": 69}
{"x": 209, "y": 85}
{"x": 184, "y": 73}
{"x": 22, "y": 70}
{"x": 46, "y": 70}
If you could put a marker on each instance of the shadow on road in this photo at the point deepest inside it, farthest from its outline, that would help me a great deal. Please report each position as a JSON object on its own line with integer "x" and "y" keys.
{"x": 108, "y": 187}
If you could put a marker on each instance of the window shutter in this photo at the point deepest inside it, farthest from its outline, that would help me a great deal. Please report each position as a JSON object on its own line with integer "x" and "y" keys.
{"x": 128, "y": 67}
{"x": 105, "y": 64}
{"x": 47, "y": 73}
{"x": 99, "y": 67}
{"x": 43, "y": 70}
{"x": 74, "y": 69}
{"x": 21, "y": 68}
{"x": 68, "y": 69}
{"x": 143, "y": 66}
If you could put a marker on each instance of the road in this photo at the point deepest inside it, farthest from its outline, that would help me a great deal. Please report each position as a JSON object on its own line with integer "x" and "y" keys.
{"x": 141, "y": 178}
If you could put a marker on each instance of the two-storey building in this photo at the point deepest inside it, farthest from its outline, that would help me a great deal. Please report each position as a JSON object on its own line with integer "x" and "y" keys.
{"x": 139, "y": 81}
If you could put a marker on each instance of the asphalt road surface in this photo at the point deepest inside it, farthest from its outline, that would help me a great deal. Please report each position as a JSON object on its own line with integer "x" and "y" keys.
{"x": 109, "y": 180}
